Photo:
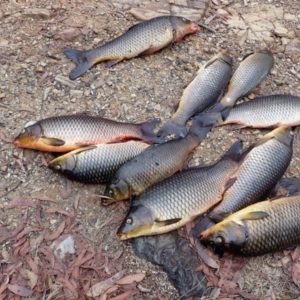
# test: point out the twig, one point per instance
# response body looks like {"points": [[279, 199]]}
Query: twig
{"points": [[206, 27], [16, 186]]}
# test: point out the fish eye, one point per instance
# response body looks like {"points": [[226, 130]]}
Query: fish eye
{"points": [[129, 221], [219, 240], [23, 131], [110, 192], [57, 167], [184, 19]]}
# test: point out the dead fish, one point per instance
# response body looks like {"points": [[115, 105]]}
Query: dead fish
{"points": [[96, 164], [202, 92], [67, 133], [265, 164], [153, 165], [261, 228], [177, 200], [262, 112], [141, 39], [251, 72]]}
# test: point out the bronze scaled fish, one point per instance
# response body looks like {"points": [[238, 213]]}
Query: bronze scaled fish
{"points": [[96, 164], [251, 72], [141, 39], [261, 170], [67, 133], [260, 228], [265, 112], [202, 92], [153, 165], [177, 200]]}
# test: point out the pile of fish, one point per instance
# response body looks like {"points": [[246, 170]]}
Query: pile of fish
{"points": [[137, 164]]}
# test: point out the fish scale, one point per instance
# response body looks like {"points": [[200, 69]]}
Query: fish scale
{"points": [[135, 41], [266, 112], [249, 74], [185, 195], [151, 166], [278, 231], [261, 170], [98, 165]]}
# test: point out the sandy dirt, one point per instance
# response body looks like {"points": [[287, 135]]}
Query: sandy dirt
{"points": [[31, 66]]}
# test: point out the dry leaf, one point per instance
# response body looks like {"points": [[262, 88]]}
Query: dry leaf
{"points": [[55, 234], [131, 278], [100, 287], [19, 290], [21, 203], [4, 138], [69, 34], [32, 278], [113, 221], [123, 296], [205, 257]]}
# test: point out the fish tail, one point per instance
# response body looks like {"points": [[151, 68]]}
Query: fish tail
{"points": [[292, 185], [147, 132], [204, 224], [216, 115], [171, 128], [199, 130], [234, 151], [81, 58]]}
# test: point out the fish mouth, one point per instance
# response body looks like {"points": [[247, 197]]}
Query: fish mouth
{"points": [[105, 200], [194, 27], [122, 236]]}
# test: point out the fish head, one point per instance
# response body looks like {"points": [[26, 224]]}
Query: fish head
{"points": [[226, 234], [182, 27], [116, 192], [65, 163], [139, 221], [29, 136]]}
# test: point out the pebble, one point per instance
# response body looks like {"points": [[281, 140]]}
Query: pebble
{"points": [[76, 93]]}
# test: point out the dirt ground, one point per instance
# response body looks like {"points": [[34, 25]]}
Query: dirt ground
{"points": [[33, 86]]}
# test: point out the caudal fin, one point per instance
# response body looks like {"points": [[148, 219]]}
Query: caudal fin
{"points": [[171, 128], [81, 58], [216, 115], [292, 185], [199, 130], [147, 132], [204, 224]]}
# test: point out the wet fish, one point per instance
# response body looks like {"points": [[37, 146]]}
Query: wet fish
{"points": [[251, 72], [153, 165], [258, 229], [262, 112], [96, 164], [177, 200], [67, 133], [141, 39], [202, 92], [262, 168]]}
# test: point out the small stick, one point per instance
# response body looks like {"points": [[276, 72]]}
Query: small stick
{"points": [[206, 27]]}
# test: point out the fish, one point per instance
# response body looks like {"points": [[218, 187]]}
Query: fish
{"points": [[179, 199], [153, 165], [262, 112], [262, 168], [251, 72], [258, 229], [205, 89], [141, 39], [71, 132], [96, 164], [266, 112]]}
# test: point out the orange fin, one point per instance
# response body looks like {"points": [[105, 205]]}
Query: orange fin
{"points": [[52, 141]]}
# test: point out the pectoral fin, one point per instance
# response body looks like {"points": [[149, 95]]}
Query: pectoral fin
{"points": [[52, 141], [254, 215], [167, 222]]}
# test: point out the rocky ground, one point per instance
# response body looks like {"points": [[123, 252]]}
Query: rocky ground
{"points": [[37, 205]]}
